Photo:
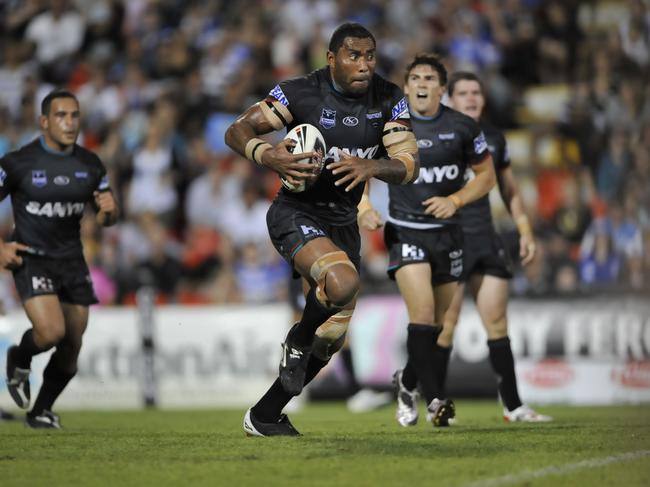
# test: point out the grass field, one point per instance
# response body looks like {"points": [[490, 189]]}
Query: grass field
{"points": [[583, 447]]}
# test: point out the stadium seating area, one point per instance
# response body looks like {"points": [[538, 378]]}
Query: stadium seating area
{"points": [[160, 80]]}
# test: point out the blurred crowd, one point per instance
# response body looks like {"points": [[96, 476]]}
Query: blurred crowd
{"points": [[160, 80]]}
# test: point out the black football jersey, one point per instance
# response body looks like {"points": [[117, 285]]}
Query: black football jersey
{"points": [[353, 125], [476, 217], [49, 192], [448, 143]]}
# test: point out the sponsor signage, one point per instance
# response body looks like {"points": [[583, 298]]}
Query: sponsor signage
{"points": [[587, 352]]}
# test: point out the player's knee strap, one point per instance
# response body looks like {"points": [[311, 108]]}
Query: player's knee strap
{"points": [[319, 269], [331, 335]]}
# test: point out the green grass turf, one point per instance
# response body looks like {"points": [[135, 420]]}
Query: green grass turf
{"points": [[198, 448]]}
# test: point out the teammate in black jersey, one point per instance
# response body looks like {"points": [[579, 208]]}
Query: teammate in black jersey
{"points": [[486, 266], [423, 235], [363, 118], [50, 181]]}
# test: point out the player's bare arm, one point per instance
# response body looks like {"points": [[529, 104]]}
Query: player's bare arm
{"points": [[242, 137], [107, 211], [446, 206], [511, 197]]}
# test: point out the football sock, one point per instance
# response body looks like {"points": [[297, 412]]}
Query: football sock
{"points": [[269, 407], [314, 315], [419, 344], [409, 377], [503, 364], [55, 378], [441, 360], [348, 365], [26, 350]]}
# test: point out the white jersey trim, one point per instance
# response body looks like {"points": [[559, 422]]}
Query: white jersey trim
{"points": [[416, 226]]}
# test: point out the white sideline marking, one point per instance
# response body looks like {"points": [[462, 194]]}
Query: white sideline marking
{"points": [[558, 470]]}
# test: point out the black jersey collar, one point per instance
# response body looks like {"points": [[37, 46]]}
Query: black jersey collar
{"points": [[428, 118], [49, 150], [339, 91]]}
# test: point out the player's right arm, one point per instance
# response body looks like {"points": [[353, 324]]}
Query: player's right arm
{"points": [[9, 257], [513, 200], [262, 118]]}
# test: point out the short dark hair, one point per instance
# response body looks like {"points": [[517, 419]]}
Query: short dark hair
{"points": [[462, 76], [349, 29], [53, 95], [431, 60]]}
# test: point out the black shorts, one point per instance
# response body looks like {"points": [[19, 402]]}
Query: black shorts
{"points": [[290, 229], [69, 279], [486, 254], [441, 248]]}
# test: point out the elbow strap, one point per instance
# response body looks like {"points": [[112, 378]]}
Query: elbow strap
{"points": [[275, 113], [400, 144]]}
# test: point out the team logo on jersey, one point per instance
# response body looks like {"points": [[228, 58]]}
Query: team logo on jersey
{"points": [[456, 254], [39, 178], [61, 180], [480, 144], [328, 118], [351, 121], [3, 177], [425, 143], [401, 110], [279, 95], [81, 174], [448, 136]]}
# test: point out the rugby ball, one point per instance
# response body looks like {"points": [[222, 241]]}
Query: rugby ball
{"points": [[308, 139]]}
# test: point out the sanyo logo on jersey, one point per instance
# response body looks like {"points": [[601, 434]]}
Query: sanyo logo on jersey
{"points": [[361, 152], [437, 174], [55, 209]]}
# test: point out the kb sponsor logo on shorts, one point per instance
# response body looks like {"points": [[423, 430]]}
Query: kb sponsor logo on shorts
{"points": [[412, 252], [309, 230], [42, 284]]}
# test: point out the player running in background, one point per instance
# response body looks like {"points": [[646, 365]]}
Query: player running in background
{"points": [[50, 181], [423, 234], [487, 267], [362, 118]]}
